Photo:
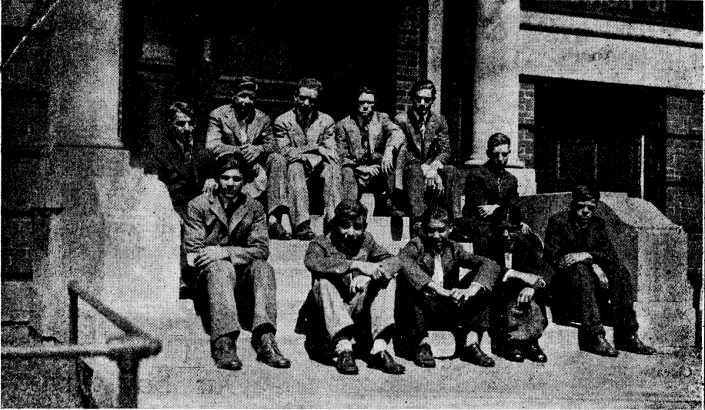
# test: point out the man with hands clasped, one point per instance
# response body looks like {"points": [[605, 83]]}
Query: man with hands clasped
{"points": [[433, 296]]}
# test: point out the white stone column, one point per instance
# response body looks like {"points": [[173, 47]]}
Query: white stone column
{"points": [[117, 232]]}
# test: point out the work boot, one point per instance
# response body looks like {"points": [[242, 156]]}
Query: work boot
{"points": [[269, 354], [631, 343], [597, 344], [224, 353]]}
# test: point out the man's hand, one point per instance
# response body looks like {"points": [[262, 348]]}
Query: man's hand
{"points": [[251, 152], [525, 229], [571, 259], [386, 273], [463, 295], [359, 283], [438, 289], [209, 186], [370, 170], [487, 210], [601, 276], [388, 161], [435, 182], [328, 154], [210, 254], [371, 269], [528, 278], [525, 295]]}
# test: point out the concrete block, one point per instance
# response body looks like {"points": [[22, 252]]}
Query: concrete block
{"points": [[666, 325]]}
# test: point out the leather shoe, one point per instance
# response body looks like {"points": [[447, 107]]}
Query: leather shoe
{"points": [[277, 231], [385, 362], [303, 231], [533, 352], [473, 354], [511, 352], [225, 354], [345, 364], [632, 343], [598, 345], [424, 356], [269, 354]]}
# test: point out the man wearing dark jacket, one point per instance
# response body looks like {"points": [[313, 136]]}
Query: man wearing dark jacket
{"points": [[582, 255], [432, 295], [227, 245], [487, 188]]}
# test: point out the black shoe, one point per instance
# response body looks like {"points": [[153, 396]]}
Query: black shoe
{"points": [[424, 356], [632, 343], [277, 231], [385, 362], [473, 354], [598, 345], [511, 352], [345, 363], [269, 354], [303, 231], [224, 354], [533, 352]]}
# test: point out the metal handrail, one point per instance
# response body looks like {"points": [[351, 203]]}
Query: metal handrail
{"points": [[126, 351]]}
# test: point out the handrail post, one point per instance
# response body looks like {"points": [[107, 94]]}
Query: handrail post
{"points": [[73, 316], [128, 387]]}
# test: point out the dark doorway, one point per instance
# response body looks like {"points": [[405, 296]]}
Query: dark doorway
{"points": [[595, 131]]}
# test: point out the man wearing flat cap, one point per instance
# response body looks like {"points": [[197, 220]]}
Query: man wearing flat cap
{"points": [[227, 246], [580, 252], [242, 128]]}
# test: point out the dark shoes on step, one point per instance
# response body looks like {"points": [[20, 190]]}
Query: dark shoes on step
{"points": [[224, 354], [473, 354], [424, 356], [385, 362], [269, 354], [598, 345], [277, 231], [303, 231], [533, 352], [345, 363], [632, 343]]}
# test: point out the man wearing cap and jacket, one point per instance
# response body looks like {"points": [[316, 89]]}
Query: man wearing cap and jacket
{"points": [[240, 127]]}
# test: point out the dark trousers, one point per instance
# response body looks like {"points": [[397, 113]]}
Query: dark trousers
{"points": [[417, 312], [353, 186], [240, 297], [584, 284], [513, 321], [420, 198]]}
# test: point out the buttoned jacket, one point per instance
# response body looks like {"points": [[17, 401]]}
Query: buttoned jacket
{"points": [[382, 133], [292, 140], [433, 144], [224, 131]]}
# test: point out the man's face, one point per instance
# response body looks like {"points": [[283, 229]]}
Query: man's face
{"points": [[365, 105], [508, 235], [305, 100], [499, 155], [584, 210], [349, 234], [435, 235], [182, 125], [230, 183], [244, 101], [422, 101]]}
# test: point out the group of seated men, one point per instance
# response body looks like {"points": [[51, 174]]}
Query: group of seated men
{"points": [[361, 295]]}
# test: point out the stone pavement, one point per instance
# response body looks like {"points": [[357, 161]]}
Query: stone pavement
{"points": [[183, 375]]}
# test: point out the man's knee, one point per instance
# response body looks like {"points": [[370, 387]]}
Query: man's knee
{"points": [[323, 289], [219, 270], [330, 171], [276, 161]]}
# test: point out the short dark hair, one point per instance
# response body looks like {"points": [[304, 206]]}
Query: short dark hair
{"points": [[176, 107], [349, 210], [437, 213], [245, 83], [496, 140], [309, 82], [585, 192], [365, 90], [423, 84], [232, 160]]}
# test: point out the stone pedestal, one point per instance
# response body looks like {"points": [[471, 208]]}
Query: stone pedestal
{"points": [[655, 252], [496, 77]]}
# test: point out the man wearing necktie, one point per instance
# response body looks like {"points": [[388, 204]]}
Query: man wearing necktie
{"points": [[428, 177], [432, 295], [368, 144], [227, 246]]}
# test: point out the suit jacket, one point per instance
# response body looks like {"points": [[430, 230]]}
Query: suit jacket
{"points": [[433, 144], [244, 235], [323, 259], [181, 172], [417, 265], [382, 132], [292, 140], [484, 187], [224, 131], [563, 237]]}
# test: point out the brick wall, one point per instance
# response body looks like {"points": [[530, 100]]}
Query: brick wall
{"points": [[410, 58], [526, 123], [684, 153]]}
